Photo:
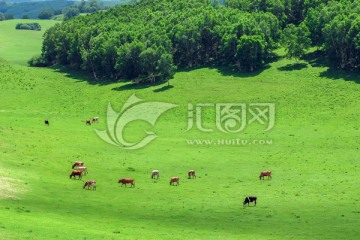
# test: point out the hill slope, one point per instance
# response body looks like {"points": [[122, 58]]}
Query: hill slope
{"points": [[18, 46], [312, 151], [313, 156]]}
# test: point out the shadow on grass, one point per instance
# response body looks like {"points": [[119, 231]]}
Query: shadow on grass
{"points": [[336, 73], [132, 86], [293, 66], [163, 88], [226, 70], [234, 72], [319, 59], [82, 76]]}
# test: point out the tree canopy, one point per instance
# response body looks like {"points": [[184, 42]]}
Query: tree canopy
{"points": [[335, 28], [147, 40]]}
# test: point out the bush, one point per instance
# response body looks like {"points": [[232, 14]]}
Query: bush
{"points": [[37, 61], [25, 27], [28, 26]]}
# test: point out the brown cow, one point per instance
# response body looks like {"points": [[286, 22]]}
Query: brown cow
{"points": [[77, 163], [88, 122], [192, 174], [155, 173], [90, 183], [126, 181], [265, 173], [83, 169], [76, 173], [174, 180]]}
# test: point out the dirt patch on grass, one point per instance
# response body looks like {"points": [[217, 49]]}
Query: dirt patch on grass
{"points": [[10, 188]]}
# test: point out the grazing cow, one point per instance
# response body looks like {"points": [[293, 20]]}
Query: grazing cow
{"points": [[90, 183], [83, 169], [192, 174], [88, 122], [77, 163], [76, 173], [249, 199], [265, 173], [174, 180], [155, 173], [95, 119], [47, 122], [126, 181]]}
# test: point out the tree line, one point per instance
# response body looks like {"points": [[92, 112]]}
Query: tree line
{"points": [[48, 9], [149, 39], [331, 26]]}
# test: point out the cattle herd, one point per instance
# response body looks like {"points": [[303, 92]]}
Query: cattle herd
{"points": [[80, 170]]}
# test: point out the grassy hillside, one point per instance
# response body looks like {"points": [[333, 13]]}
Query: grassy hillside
{"points": [[314, 156], [18, 46]]}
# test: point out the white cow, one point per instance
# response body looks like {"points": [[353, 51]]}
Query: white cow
{"points": [[95, 119], [155, 173]]}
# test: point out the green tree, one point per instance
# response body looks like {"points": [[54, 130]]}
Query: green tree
{"points": [[46, 14], [9, 16], [128, 60], [71, 12], [58, 11], [94, 6], [250, 52], [296, 40], [165, 66], [82, 6], [338, 39]]}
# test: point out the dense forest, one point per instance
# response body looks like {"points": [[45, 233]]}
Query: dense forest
{"points": [[149, 39]]}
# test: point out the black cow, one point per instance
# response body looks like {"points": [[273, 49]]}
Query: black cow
{"points": [[249, 200], [47, 122]]}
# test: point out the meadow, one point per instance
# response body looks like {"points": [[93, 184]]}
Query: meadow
{"points": [[18, 46], [314, 153]]}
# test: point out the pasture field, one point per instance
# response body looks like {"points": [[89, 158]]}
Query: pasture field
{"points": [[18, 46], [314, 156]]}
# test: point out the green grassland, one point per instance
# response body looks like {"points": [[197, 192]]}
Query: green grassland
{"points": [[18, 46], [314, 155]]}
